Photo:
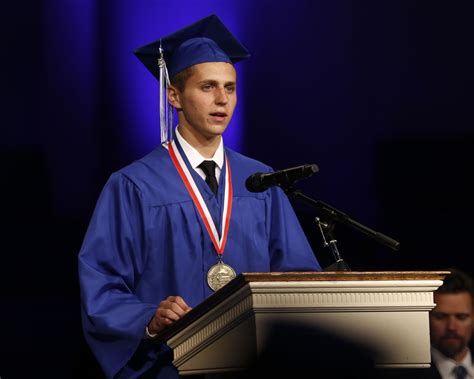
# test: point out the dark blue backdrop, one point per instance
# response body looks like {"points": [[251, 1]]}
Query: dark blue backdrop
{"points": [[378, 94]]}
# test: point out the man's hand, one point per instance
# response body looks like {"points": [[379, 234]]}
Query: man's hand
{"points": [[169, 310]]}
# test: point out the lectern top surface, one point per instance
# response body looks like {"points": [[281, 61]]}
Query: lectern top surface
{"points": [[248, 277]]}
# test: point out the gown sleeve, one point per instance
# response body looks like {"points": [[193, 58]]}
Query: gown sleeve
{"points": [[289, 247], [110, 262]]}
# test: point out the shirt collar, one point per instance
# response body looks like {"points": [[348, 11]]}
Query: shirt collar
{"points": [[446, 365], [195, 158]]}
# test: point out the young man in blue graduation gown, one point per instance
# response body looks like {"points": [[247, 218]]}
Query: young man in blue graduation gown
{"points": [[158, 227]]}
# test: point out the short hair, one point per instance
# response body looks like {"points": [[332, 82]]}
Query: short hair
{"points": [[455, 282], [180, 79]]}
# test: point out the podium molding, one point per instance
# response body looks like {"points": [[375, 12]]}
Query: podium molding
{"points": [[386, 311]]}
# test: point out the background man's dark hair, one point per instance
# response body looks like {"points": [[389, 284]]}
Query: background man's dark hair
{"points": [[457, 281]]}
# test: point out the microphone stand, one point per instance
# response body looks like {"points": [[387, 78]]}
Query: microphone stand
{"points": [[339, 264], [335, 215]]}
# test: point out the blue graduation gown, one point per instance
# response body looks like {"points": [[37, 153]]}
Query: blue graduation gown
{"points": [[146, 241]]}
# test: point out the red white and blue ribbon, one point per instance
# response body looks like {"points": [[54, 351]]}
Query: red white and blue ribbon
{"points": [[219, 243]]}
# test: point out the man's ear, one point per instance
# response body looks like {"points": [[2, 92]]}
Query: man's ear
{"points": [[173, 97]]}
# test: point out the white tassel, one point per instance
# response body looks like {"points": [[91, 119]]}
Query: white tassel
{"points": [[166, 111]]}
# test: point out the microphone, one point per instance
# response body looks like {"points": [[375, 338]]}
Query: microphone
{"points": [[260, 181]]}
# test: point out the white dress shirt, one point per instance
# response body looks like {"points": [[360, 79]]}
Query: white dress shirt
{"points": [[195, 158], [446, 365]]}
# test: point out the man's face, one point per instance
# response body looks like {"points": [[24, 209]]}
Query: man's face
{"points": [[451, 323], [208, 100]]}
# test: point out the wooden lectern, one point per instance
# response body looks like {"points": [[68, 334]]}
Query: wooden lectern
{"points": [[386, 311]]}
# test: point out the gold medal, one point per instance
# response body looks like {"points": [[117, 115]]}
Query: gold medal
{"points": [[219, 275]]}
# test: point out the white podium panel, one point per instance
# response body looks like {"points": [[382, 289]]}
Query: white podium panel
{"points": [[386, 312]]}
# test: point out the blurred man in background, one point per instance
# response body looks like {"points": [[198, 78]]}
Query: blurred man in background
{"points": [[451, 327]]}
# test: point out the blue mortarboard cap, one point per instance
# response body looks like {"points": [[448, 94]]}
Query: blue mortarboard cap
{"points": [[207, 40]]}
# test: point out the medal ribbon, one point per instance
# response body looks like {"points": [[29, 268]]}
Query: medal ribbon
{"points": [[219, 243]]}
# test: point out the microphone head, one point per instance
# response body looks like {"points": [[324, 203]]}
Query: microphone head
{"points": [[254, 183], [261, 181]]}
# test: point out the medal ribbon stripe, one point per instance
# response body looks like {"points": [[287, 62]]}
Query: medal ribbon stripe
{"points": [[195, 194], [228, 193], [219, 244]]}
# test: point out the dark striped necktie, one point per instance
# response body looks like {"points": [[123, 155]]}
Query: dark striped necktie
{"points": [[460, 372], [209, 168]]}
